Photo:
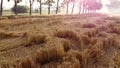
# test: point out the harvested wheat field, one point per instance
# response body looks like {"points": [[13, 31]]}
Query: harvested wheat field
{"points": [[60, 41]]}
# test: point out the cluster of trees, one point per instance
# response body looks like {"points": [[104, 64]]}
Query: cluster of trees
{"points": [[85, 6], [20, 9]]}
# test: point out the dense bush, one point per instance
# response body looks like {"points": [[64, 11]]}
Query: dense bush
{"points": [[20, 9]]}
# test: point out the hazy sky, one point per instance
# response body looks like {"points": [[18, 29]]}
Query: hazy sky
{"points": [[8, 5]]}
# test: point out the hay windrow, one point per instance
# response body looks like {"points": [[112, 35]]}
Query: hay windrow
{"points": [[27, 63], [10, 34], [91, 33], [88, 25], [68, 34], [32, 39]]}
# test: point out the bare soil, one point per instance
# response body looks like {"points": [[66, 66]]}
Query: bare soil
{"points": [[63, 41]]}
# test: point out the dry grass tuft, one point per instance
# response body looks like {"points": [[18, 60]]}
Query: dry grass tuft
{"points": [[114, 30], [45, 55], [56, 22], [102, 28], [108, 42], [85, 39], [72, 37], [88, 25], [99, 52], [111, 18], [4, 65], [27, 63], [67, 45], [91, 33], [68, 34], [3, 18], [118, 21], [76, 54], [117, 61], [100, 21], [102, 34], [34, 39], [93, 58], [10, 34], [69, 62], [93, 52], [110, 25]]}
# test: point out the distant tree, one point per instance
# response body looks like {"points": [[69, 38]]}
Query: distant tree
{"points": [[85, 6], [1, 7], [40, 2], [36, 10], [99, 5], [66, 2], [15, 6], [49, 3], [20, 9], [73, 1], [49, 6], [16, 1], [57, 6], [80, 6], [31, 3], [93, 5], [90, 5], [60, 6]]}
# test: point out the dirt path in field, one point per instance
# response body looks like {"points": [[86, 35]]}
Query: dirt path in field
{"points": [[60, 42]]}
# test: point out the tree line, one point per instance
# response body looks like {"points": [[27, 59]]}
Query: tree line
{"points": [[85, 6]]}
